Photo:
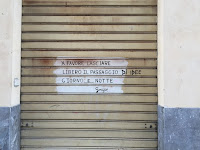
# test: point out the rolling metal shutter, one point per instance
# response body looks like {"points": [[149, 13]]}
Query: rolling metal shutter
{"points": [[89, 75]]}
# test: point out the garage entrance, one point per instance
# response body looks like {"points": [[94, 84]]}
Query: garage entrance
{"points": [[89, 75]]}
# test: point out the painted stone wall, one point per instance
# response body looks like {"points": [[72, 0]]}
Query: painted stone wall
{"points": [[179, 53], [179, 61], [10, 51]]}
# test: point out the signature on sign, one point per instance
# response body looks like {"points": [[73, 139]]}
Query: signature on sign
{"points": [[101, 90]]}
